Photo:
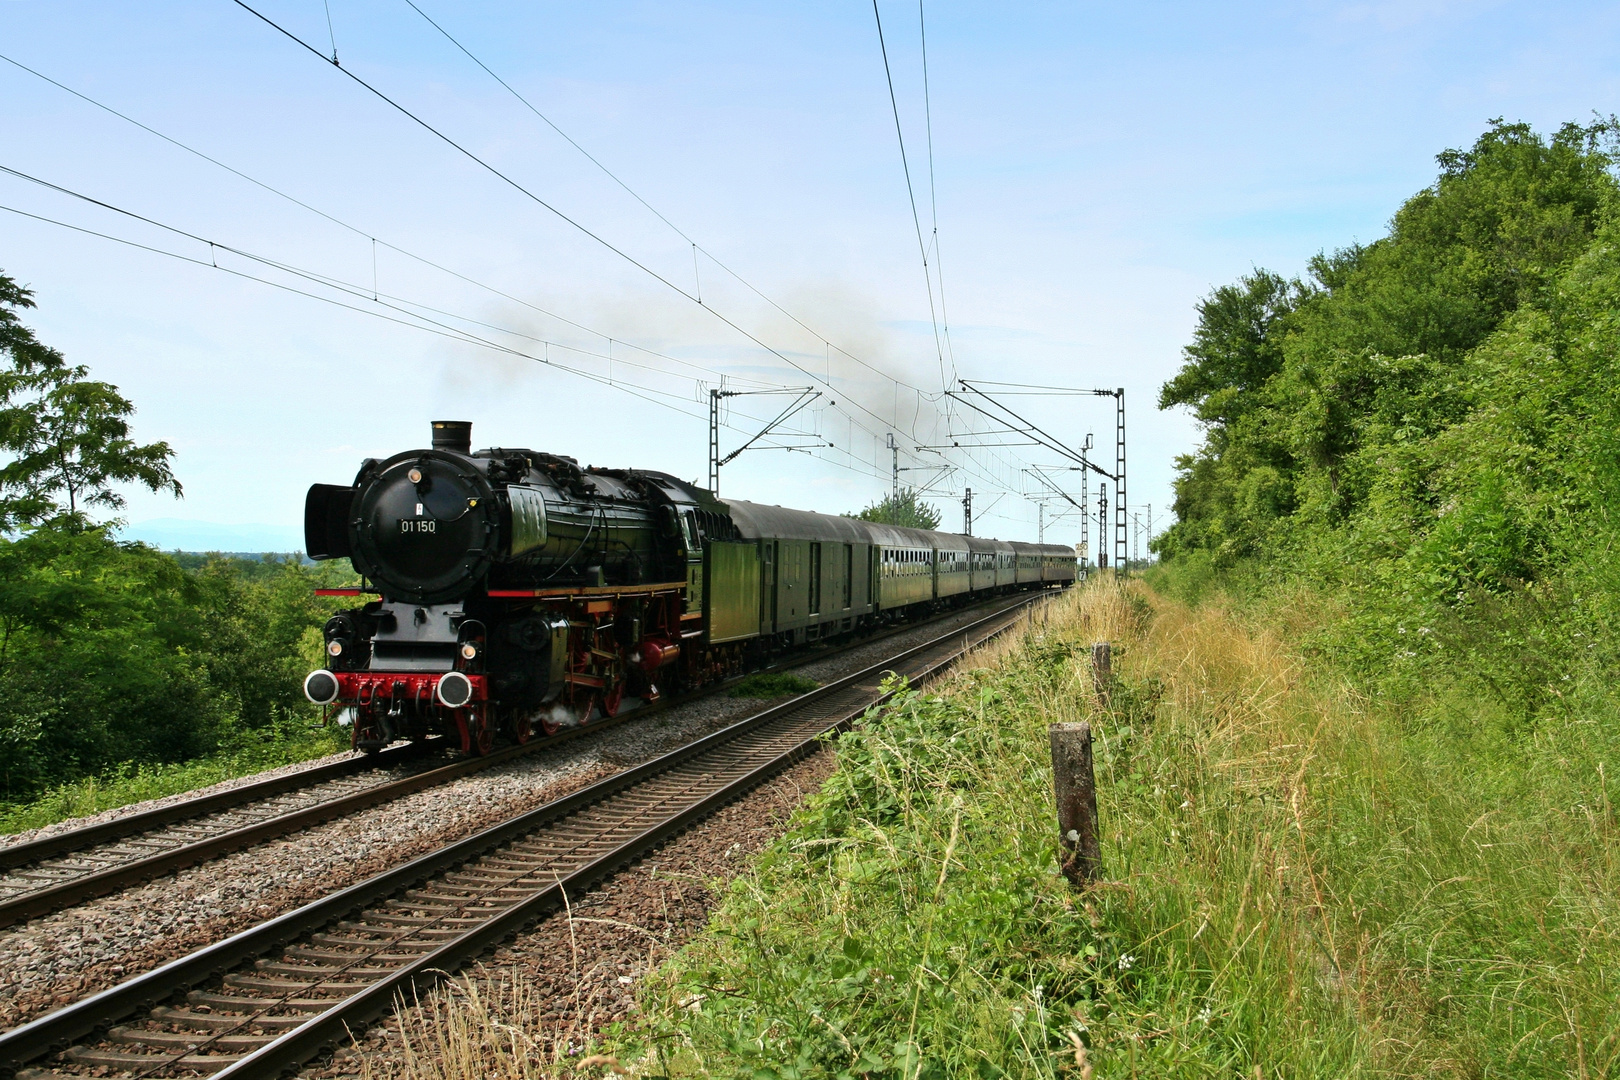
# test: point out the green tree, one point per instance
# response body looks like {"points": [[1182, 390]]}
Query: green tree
{"points": [[67, 435], [1319, 399], [1236, 347], [904, 509]]}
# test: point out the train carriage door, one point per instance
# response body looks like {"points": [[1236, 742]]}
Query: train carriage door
{"points": [[790, 570], [767, 576], [815, 578], [694, 561], [849, 576]]}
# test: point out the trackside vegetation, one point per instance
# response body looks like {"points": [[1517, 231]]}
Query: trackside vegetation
{"points": [[1298, 881], [772, 684], [1426, 431], [129, 673], [134, 677], [1358, 788]]}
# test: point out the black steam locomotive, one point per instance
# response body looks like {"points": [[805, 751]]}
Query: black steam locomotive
{"points": [[519, 592]]}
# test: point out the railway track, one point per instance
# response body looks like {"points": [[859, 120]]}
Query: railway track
{"points": [[270, 998], [71, 867]]}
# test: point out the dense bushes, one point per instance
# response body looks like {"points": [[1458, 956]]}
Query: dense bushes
{"points": [[119, 661], [1428, 428], [115, 653]]}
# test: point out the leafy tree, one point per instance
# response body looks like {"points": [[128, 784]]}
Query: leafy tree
{"points": [[1320, 398], [67, 435], [1236, 347], [904, 509], [115, 655]]}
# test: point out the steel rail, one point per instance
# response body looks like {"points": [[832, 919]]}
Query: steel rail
{"points": [[74, 1022], [35, 903], [32, 905]]}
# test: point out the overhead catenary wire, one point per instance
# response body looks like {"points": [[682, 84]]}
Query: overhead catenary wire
{"points": [[1029, 429], [933, 197], [401, 316], [516, 186], [350, 227], [646, 394], [697, 248], [412, 321], [882, 421], [696, 294], [213, 264], [975, 465], [310, 275], [374, 241], [911, 194], [329, 31]]}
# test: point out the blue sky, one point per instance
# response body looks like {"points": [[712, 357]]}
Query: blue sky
{"points": [[1097, 170]]}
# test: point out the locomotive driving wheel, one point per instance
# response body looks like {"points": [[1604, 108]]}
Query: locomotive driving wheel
{"points": [[520, 726], [483, 731], [477, 730], [572, 709]]}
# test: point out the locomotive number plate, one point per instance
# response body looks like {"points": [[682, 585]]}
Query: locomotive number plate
{"points": [[418, 525]]}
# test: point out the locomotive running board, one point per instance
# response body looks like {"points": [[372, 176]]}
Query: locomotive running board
{"points": [[594, 591]]}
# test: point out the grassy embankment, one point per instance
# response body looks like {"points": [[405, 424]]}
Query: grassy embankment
{"points": [[1299, 882]]}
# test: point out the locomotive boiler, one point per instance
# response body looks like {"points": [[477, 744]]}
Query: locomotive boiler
{"points": [[515, 591]]}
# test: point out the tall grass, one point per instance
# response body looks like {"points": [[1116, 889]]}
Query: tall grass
{"points": [[477, 1027], [1299, 880]]}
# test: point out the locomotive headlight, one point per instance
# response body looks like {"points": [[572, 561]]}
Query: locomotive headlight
{"points": [[469, 650], [334, 647], [414, 476], [321, 687], [454, 690]]}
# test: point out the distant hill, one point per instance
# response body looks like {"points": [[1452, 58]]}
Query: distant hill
{"points": [[171, 534]]}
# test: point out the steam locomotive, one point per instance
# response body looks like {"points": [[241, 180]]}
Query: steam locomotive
{"points": [[517, 592]]}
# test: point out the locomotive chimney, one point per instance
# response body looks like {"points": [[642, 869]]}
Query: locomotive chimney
{"points": [[453, 435]]}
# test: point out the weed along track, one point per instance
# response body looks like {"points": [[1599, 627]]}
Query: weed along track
{"points": [[274, 996]]}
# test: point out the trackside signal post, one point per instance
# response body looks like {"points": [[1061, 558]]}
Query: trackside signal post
{"points": [[1121, 525]]}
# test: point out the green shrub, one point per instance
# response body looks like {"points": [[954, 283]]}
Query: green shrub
{"points": [[118, 658], [772, 684]]}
